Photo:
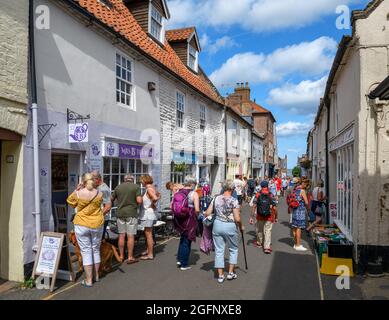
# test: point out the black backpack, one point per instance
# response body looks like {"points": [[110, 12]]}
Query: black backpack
{"points": [[263, 205]]}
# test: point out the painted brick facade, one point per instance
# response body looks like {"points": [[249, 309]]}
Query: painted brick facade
{"points": [[189, 138], [13, 65]]}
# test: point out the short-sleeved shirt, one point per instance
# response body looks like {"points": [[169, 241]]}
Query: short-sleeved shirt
{"points": [[106, 191], [224, 207], [239, 184], [126, 194]]}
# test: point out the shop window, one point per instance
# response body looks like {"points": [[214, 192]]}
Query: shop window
{"points": [[115, 169], [124, 81]]}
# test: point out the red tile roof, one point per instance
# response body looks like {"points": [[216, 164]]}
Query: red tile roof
{"points": [[123, 22], [179, 34]]}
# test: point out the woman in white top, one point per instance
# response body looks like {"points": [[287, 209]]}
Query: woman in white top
{"points": [[148, 215], [318, 198]]}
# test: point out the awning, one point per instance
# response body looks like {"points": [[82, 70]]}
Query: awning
{"points": [[382, 91]]}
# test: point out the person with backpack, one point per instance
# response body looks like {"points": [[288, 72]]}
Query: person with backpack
{"points": [[226, 226], [298, 203], [264, 209], [185, 208]]}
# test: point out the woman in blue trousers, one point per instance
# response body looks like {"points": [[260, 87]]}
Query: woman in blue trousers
{"points": [[226, 230]]}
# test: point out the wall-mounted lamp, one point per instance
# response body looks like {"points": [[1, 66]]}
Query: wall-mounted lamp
{"points": [[151, 86]]}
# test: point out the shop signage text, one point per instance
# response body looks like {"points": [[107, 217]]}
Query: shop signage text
{"points": [[127, 151], [343, 139], [182, 157]]}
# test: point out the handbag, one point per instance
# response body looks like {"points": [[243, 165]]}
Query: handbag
{"points": [[208, 221]]}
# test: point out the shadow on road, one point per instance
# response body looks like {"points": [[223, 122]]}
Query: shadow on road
{"points": [[292, 277]]}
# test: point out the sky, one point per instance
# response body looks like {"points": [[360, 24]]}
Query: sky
{"points": [[283, 48]]}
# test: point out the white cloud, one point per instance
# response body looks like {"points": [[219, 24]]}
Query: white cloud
{"points": [[307, 58], [204, 41], [293, 128], [222, 43], [302, 98], [258, 15]]}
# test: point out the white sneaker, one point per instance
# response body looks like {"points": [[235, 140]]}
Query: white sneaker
{"points": [[221, 279], [185, 268], [300, 248], [232, 276], [178, 264], [294, 247]]}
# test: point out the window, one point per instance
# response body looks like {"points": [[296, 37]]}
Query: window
{"points": [[234, 134], [202, 118], [345, 167], [124, 86], [180, 109], [115, 169], [192, 60], [156, 24]]}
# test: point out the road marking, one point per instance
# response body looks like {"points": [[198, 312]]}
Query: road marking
{"points": [[319, 276], [51, 296]]}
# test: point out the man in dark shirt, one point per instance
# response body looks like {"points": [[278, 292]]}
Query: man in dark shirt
{"points": [[128, 197]]}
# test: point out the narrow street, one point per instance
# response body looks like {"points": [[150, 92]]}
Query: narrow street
{"points": [[285, 274]]}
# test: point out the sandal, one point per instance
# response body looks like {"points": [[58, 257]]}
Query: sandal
{"points": [[85, 284], [132, 261], [147, 258]]}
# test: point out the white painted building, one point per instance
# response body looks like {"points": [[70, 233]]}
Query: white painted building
{"points": [[357, 137], [258, 166], [120, 85]]}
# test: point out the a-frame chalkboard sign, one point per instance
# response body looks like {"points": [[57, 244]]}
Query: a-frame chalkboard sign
{"points": [[53, 256]]}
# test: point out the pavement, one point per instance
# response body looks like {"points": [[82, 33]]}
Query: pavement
{"points": [[283, 275]]}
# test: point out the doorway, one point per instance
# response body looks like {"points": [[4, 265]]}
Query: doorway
{"points": [[65, 175]]}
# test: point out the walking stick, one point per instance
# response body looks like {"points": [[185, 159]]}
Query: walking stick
{"points": [[244, 250]]}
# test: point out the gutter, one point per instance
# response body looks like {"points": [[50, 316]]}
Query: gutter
{"points": [[34, 110]]}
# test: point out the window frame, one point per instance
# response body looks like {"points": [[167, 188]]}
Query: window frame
{"points": [[122, 56], [203, 118], [179, 111], [196, 58], [160, 39]]}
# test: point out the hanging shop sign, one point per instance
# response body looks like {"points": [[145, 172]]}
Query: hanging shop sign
{"points": [[182, 157], [78, 132], [343, 139], [128, 151]]}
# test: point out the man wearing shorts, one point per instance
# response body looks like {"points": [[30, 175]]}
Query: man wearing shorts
{"points": [[128, 196]]}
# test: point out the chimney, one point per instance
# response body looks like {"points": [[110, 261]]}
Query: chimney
{"points": [[243, 90]]}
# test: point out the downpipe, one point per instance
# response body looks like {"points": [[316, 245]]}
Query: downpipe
{"points": [[34, 112]]}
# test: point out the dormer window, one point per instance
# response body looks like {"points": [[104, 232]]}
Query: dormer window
{"points": [[193, 58], [156, 24]]}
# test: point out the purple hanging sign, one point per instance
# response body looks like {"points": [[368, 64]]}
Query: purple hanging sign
{"points": [[127, 151]]}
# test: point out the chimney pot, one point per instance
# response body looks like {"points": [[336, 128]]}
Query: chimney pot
{"points": [[247, 84]]}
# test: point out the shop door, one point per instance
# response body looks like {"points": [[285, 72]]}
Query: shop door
{"points": [[65, 175]]}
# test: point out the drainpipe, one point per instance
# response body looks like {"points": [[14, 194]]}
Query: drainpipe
{"points": [[225, 141], [34, 110], [327, 103]]}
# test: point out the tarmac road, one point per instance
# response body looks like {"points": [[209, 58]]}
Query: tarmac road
{"points": [[285, 274]]}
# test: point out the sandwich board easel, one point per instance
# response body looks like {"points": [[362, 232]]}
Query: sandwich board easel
{"points": [[53, 250]]}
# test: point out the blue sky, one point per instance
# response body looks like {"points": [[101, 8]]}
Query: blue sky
{"points": [[283, 48]]}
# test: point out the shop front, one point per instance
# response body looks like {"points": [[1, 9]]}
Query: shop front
{"points": [[342, 151], [234, 167], [119, 159]]}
